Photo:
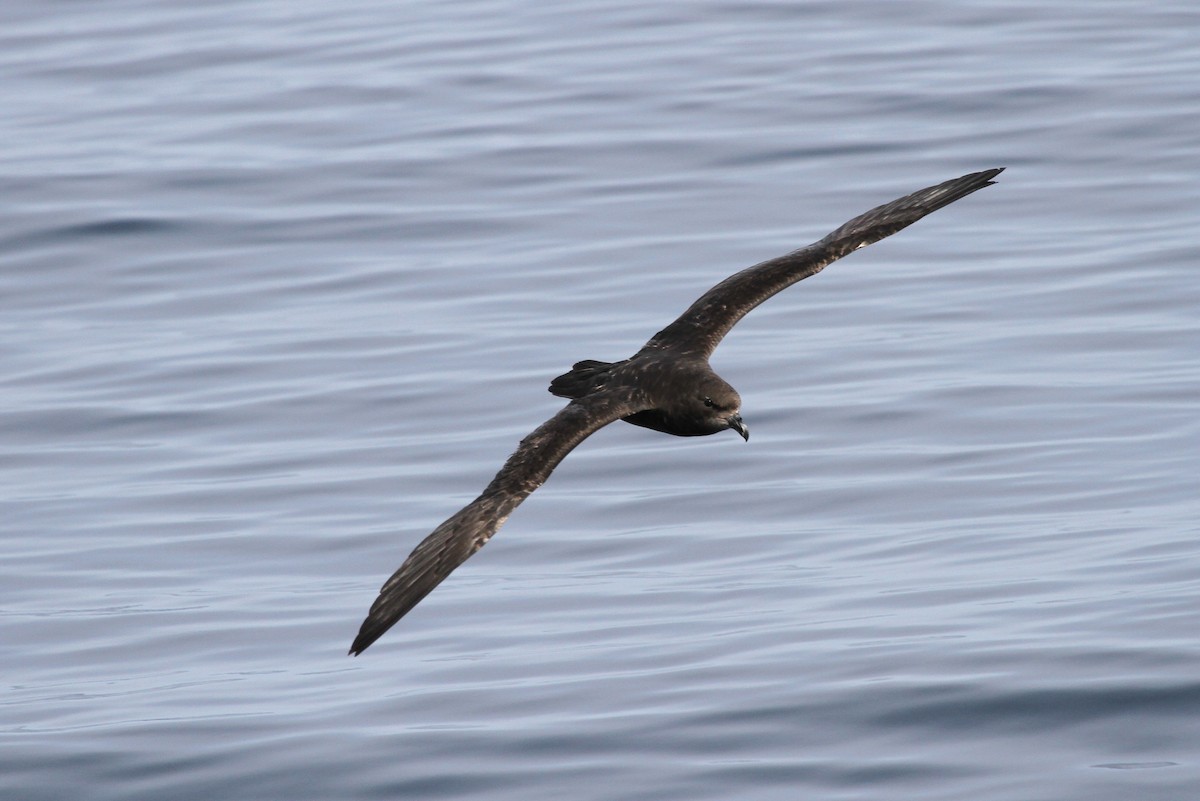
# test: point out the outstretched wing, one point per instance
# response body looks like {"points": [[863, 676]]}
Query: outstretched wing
{"points": [[702, 327], [466, 531]]}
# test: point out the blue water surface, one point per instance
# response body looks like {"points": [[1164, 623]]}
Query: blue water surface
{"points": [[284, 283]]}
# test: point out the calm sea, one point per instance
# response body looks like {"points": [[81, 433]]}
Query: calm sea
{"points": [[282, 284]]}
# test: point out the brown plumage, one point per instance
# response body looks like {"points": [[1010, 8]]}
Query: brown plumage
{"points": [[667, 386]]}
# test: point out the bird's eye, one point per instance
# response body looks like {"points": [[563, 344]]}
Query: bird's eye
{"points": [[709, 403]]}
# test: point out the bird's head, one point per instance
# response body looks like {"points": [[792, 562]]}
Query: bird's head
{"points": [[713, 406], [689, 400]]}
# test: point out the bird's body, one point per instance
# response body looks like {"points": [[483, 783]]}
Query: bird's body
{"points": [[666, 386]]}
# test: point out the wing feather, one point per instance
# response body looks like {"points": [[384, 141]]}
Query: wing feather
{"points": [[455, 540], [701, 328]]}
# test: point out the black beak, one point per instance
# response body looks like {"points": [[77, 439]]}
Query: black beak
{"points": [[737, 425]]}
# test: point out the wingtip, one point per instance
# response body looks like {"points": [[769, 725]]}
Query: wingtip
{"points": [[360, 645], [364, 639], [988, 175]]}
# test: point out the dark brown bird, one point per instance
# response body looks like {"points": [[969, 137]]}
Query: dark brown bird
{"points": [[667, 386]]}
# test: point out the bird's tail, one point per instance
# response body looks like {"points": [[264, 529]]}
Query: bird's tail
{"points": [[585, 377]]}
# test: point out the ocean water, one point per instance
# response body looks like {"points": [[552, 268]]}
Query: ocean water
{"points": [[283, 283]]}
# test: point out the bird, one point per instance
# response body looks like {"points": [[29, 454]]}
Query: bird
{"points": [[666, 386]]}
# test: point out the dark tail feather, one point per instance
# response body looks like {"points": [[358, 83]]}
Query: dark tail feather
{"points": [[584, 377]]}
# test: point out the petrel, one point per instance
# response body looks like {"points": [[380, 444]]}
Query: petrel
{"points": [[668, 386]]}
